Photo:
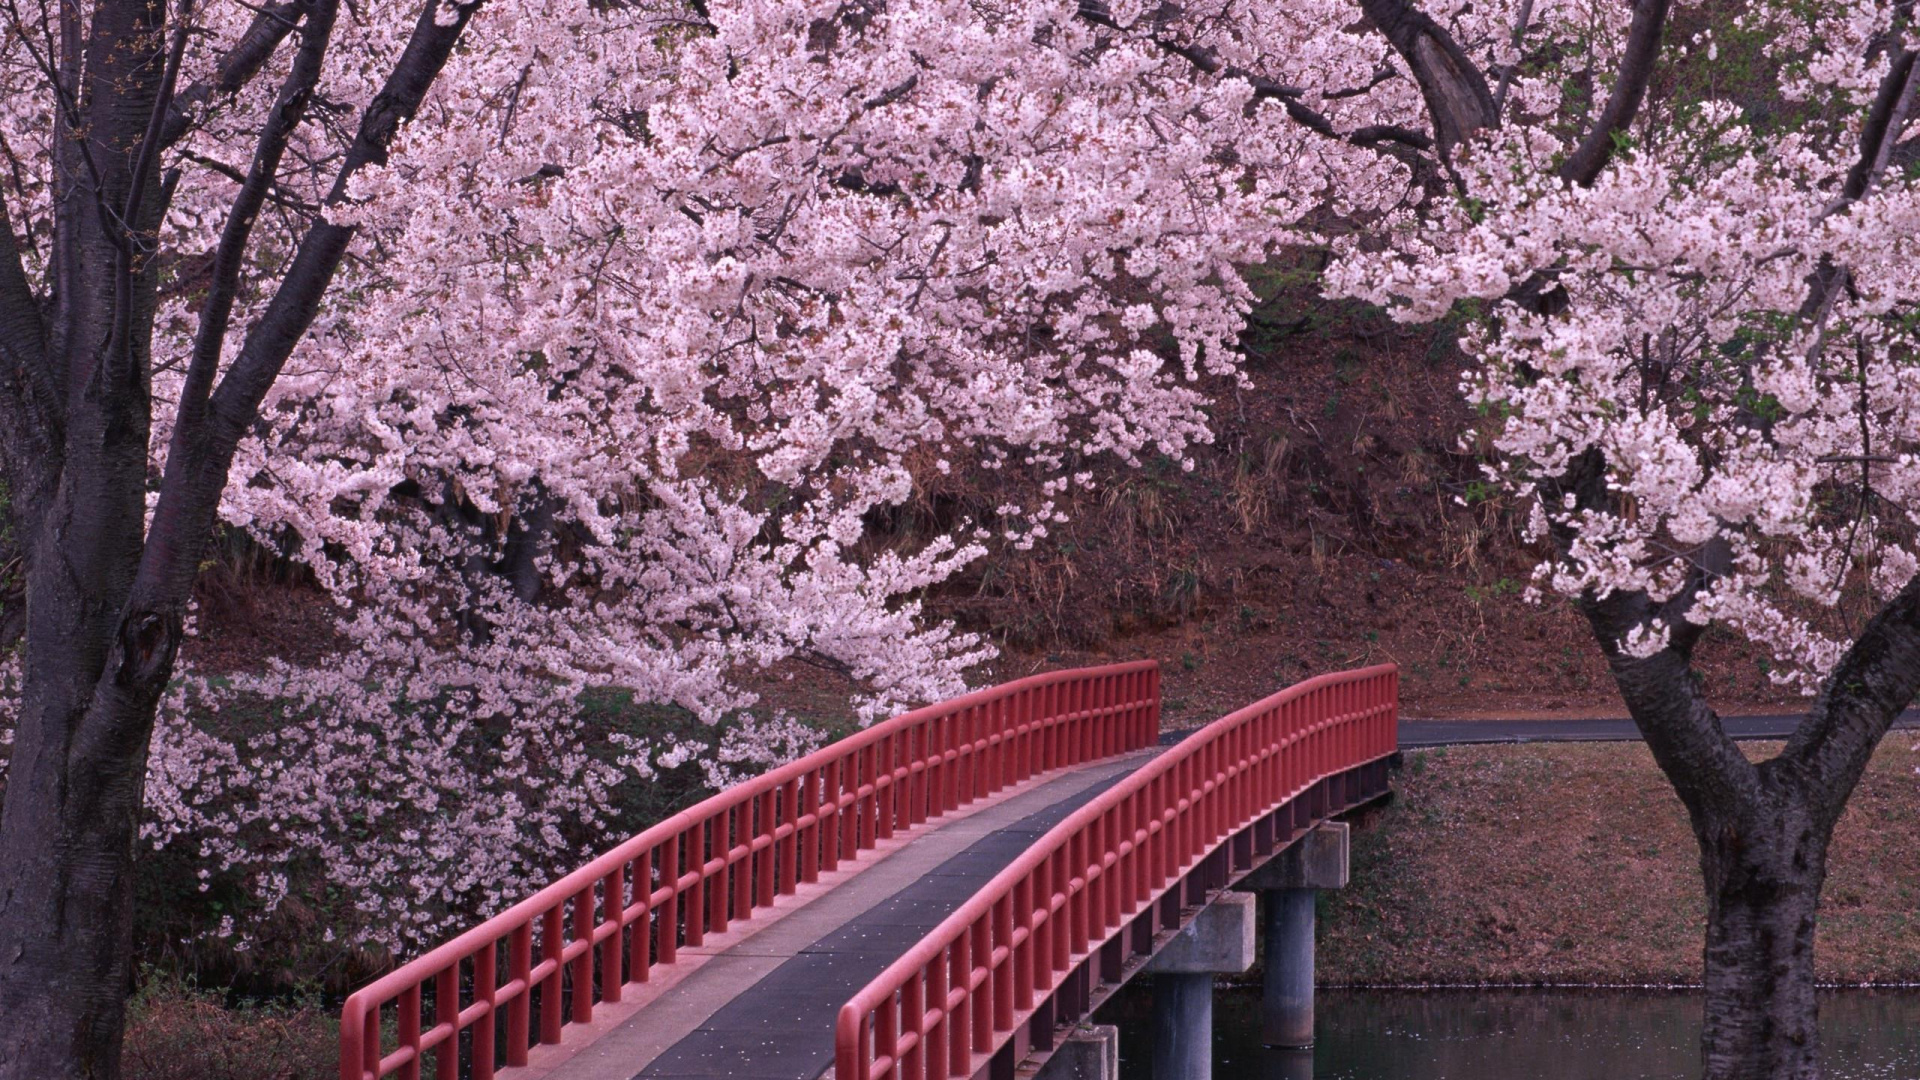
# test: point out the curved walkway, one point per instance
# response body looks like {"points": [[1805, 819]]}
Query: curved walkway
{"points": [[764, 1009]]}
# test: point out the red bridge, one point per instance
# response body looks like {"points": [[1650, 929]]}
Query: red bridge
{"points": [[945, 894]]}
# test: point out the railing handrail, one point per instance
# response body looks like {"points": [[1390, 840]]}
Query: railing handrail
{"points": [[851, 1026], [411, 977]]}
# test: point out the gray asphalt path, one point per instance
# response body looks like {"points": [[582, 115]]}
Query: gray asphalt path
{"points": [[782, 1027], [1418, 733]]}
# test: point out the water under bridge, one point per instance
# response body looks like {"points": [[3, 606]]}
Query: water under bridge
{"points": [[947, 894]]}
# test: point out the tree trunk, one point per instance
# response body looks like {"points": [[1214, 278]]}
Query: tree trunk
{"points": [[1764, 871], [74, 792], [66, 908]]}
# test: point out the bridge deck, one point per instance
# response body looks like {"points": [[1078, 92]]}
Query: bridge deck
{"points": [[762, 1005]]}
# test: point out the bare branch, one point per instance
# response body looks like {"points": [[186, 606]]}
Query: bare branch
{"points": [[1506, 74], [1264, 89]]}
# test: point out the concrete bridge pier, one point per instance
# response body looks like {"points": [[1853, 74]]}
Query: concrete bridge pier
{"points": [[1219, 941], [1091, 1052], [1291, 883]]}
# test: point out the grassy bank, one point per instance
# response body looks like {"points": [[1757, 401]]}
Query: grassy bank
{"points": [[1573, 863]]}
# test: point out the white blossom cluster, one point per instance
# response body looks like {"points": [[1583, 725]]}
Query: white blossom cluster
{"points": [[1736, 347]]}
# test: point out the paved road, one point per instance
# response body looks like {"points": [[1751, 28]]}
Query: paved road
{"points": [[1414, 733]]}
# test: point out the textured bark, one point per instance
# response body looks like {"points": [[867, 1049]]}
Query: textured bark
{"points": [[1583, 166], [1763, 871]]}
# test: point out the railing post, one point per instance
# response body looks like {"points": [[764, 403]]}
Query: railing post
{"points": [[997, 977], [695, 903], [920, 783], [1013, 919], [913, 1018], [550, 990], [734, 877], [640, 933], [486, 989], [883, 778], [1078, 867], [520, 971], [583, 962], [846, 788], [410, 1030], [886, 1034], [667, 926], [766, 807], [446, 1010], [613, 910], [933, 1058], [802, 854]]}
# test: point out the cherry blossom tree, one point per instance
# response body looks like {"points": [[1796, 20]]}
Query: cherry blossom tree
{"points": [[1692, 305], [100, 102], [1680, 238]]}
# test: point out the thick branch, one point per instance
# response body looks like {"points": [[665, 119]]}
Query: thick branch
{"points": [[1662, 694], [1875, 680], [1884, 124], [216, 312], [1455, 90], [1629, 90], [271, 25], [30, 413], [190, 491], [1661, 691]]}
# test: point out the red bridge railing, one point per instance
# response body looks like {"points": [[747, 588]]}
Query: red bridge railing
{"points": [[609, 923], [961, 991]]}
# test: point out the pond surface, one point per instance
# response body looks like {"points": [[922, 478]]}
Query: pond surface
{"points": [[1516, 1035]]}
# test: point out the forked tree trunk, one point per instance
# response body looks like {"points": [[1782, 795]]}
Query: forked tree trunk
{"points": [[74, 793], [1763, 877], [1763, 827]]}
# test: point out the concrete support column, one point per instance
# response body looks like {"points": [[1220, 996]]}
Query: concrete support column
{"points": [[1291, 883], [1286, 1000], [1219, 941], [1183, 1027]]}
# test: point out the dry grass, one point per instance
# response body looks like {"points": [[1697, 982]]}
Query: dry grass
{"points": [[1574, 863], [175, 1032]]}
